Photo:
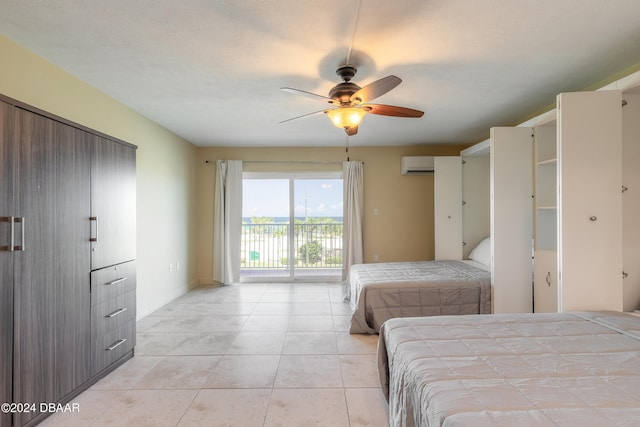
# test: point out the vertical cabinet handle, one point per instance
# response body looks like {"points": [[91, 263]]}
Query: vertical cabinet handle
{"points": [[12, 238], [23, 240], [20, 247], [548, 278], [9, 247], [12, 220], [94, 219]]}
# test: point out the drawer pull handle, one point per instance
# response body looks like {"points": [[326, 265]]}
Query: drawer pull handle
{"points": [[122, 279], [115, 345], [115, 313]]}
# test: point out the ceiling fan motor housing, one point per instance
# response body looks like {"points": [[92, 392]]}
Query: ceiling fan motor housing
{"points": [[342, 92]]}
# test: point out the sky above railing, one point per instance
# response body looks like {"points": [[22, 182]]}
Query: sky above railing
{"points": [[312, 198]]}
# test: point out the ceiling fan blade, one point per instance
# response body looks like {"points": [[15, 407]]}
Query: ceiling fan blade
{"points": [[376, 89], [352, 130], [307, 94], [302, 116], [392, 110]]}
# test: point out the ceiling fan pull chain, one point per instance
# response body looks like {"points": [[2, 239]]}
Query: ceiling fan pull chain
{"points": [[347, 147]]}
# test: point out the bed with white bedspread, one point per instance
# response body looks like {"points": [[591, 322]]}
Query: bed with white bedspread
{"points": [[381, 291], [560, 369]]}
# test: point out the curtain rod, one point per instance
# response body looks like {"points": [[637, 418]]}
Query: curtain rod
{"points": [[284, 161]]}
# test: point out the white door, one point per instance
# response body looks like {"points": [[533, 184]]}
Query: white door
{"points": [[590, 201], [631, 200], [511, 183], [447, 192]]}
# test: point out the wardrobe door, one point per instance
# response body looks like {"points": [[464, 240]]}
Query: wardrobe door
{"points": [[447, 192], [631, 200], [590, 203], [512, 219], [34, 366], [7, 171], [72, 211], [52, 288], [113, 203]]}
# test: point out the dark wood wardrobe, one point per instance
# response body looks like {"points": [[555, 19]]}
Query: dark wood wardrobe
{"points": [[67, 259]]}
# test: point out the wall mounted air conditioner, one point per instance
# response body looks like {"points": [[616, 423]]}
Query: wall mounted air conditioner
{"points": [[417, 165]]}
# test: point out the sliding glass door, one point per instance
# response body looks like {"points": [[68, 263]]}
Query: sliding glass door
{"points": [[291, 226], [265, 227]]}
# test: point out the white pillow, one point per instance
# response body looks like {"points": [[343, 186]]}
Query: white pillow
{"points": [[482, 252]]}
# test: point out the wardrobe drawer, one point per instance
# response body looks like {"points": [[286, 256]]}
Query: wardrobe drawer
{"points": [[113, 345], [112, 314], [109, 282]]}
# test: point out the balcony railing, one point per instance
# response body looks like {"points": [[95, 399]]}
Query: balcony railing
{"points": [[314, 247]]}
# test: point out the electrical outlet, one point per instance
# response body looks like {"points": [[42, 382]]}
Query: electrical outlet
{"points": [[170, 268], [177, 265], [375, 257]]}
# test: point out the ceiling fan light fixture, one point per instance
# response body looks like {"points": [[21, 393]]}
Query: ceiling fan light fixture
{"points": [[346, 117]]}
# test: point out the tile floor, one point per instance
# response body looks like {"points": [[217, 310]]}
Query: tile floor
{"points": [[243, 355]]}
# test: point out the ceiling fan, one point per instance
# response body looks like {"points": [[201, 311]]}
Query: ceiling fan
{"points": [[351, 101]]}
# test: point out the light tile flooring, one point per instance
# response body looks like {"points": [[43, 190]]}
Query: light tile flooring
{"points": [[242, 355]]}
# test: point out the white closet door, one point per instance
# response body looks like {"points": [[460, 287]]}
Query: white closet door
{"points": [[590, 201], [631, 200], [447, 192], [511, 183]]}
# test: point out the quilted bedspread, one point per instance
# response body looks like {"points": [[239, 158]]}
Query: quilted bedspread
{"points": [[562, 369], [381, 291]]}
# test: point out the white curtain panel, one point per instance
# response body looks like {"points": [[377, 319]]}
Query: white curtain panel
{"points": [[227, 221], [353, 213]]}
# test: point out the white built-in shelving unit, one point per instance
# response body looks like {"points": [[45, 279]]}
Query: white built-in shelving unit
{"points": [[560, 196]]}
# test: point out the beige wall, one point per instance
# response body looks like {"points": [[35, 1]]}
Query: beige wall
{"points": [[166, 184], [403, 228]]}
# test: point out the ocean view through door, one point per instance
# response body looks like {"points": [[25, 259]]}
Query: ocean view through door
{"points": [[291, 226]]}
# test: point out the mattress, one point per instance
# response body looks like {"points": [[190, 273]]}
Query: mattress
{"points": [[381, 291], [562, 369]]}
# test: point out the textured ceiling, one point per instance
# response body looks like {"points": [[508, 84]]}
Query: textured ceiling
{"points": [[210, 70]]}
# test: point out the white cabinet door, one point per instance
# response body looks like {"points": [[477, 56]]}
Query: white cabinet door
{"points": [[545, 287], [511, 184], [590, 201], [631, 200], [447, 192]]}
